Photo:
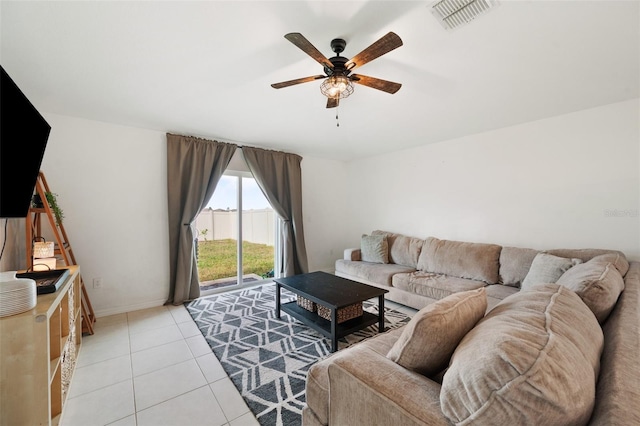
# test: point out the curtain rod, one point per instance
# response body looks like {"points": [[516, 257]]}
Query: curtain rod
{"points": [[233, 143]]}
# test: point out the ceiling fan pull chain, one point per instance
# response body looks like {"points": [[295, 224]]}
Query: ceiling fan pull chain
{"points": [[337, 122]]}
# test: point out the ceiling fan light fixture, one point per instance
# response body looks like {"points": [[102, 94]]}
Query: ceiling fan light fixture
{"points": [[336, 86], [455, 13]]}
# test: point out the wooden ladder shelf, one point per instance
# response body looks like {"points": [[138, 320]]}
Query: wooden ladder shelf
{"points": [[63, 251]]}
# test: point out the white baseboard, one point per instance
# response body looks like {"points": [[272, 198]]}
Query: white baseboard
{"points": [[156, 303], [129, 308]]}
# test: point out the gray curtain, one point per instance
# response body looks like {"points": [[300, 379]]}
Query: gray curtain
{"points": [[194, 167], [279, 176]]}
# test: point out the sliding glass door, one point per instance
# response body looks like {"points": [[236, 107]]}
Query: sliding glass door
{"points": [[236, 234]]}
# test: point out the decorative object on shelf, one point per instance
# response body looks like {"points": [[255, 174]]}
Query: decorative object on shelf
{"points": [[52, 200], [17, 295], [48, 281], [36, 201], [43, 253], [44, 264], [42, 249]]}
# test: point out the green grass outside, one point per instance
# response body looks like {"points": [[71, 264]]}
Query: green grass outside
{"points": [[218, 259]]}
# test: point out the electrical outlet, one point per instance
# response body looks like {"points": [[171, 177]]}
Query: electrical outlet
{"points": [[97, 283]]}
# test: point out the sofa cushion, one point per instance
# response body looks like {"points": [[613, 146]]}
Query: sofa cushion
{"points": [[317, 386], [618, 392], [403, 250], [598, 284], [475, 261], [547, 268], [496, 293], [514, 264], [534, 359], [434, 286], [374, 248], [583, 254], [428, 340], [378, 273], [618, 260], [500, 291]]}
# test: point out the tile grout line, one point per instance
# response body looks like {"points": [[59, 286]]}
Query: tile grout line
{"points": [[133, 382]]}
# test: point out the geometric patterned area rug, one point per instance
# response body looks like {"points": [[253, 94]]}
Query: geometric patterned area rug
{"points": [[267, 358]]}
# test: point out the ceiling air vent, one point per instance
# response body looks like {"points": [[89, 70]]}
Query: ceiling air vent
{"points": [[455, 13]]}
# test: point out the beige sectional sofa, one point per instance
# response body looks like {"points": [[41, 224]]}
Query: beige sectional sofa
{"points": [[503, 335]]}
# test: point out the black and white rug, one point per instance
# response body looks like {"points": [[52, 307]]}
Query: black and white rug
{"points": [[267, 358]]}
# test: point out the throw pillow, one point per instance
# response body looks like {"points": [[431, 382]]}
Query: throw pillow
{"points": [[597, 283], [429, 339], [547, 268], [374, 248], [532, 360]]}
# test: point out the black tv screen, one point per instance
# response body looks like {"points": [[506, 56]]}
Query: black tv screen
{"points": [[23, 139]]}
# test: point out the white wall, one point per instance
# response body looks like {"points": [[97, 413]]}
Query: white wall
{"points": [[111, 183], [324, 202], [544, 184]]}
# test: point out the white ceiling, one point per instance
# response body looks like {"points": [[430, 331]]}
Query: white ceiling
{"points": [[205, 68]]}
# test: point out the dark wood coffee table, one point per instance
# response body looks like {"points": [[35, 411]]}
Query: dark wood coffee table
{"points": [[334, 293]]}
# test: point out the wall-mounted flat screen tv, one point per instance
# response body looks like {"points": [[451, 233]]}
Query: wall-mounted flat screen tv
{"points": [[23, 138]]}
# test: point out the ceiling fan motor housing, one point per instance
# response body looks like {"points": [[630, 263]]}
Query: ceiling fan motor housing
{"points": [[338, 66]]}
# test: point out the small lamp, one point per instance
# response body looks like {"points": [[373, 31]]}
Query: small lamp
{"points": [[43, 259]]}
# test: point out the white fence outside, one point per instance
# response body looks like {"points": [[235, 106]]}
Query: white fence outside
{"points": [[258, 226]]}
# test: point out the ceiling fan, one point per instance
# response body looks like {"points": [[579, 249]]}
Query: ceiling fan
{"points": [[337, 76]]}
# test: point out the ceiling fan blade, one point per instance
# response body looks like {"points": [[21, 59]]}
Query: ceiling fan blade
{"points": [[332, 102], [376, 83], [384, 45], [297, 81], [308, 48]]}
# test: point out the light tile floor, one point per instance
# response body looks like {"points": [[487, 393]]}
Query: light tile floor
{"points": [[151, 367], [154, 367]]}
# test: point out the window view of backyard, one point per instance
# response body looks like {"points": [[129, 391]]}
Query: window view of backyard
{"points": [[217, 259], [218, 228]]}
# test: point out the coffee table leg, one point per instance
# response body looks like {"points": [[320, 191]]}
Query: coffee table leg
{"points": [[277, 300], [334, 329], [380, 314]]}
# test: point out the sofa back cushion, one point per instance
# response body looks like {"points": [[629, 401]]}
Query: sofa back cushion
{"points": [[598, 283], [514, 264], [403, 250], [534, 359], [586, 254], [429, 339], [618, 259], [475, 261]]}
